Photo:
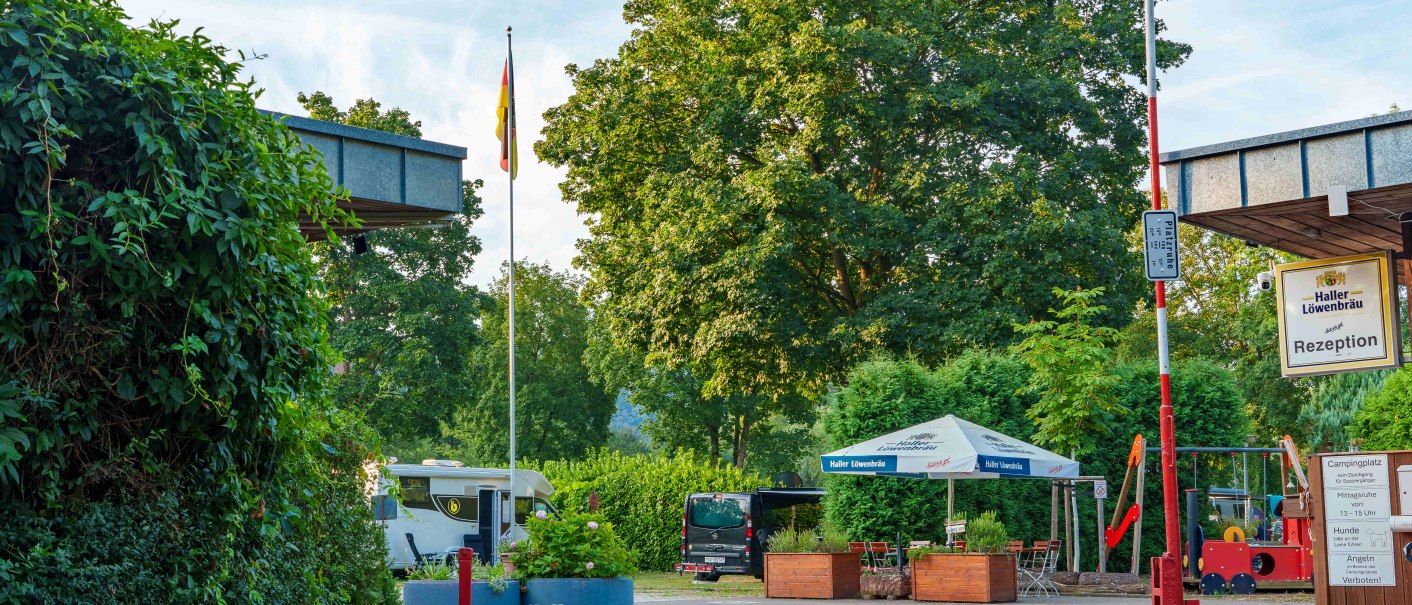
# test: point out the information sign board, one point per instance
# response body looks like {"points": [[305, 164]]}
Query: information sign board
{"points": [[1159, 245], [1337, 315], [1357, 510]]}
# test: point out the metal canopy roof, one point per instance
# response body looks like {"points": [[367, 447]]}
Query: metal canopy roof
{"points": [[1273, 190], [392, 180]]}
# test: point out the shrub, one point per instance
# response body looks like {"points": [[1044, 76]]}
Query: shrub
{"points": [[790, 539], [574, 545], [643, 496], [987, 534], [794, 540]]}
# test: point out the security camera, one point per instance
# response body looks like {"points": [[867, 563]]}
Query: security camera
{"points": [[1266, 279]]}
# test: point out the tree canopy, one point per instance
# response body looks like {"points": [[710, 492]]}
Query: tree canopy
{"points": [[777, 188], [404, 318], [559, 413]]}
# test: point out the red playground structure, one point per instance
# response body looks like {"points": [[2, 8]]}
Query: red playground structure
{"points": [[1276, 555], [1233, 565]]}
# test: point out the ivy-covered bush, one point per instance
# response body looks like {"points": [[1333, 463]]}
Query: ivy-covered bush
{"points": [[165, 434], [574, 545], [643, 496]]}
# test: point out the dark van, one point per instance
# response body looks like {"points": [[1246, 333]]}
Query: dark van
{"points": [[725, 533]]}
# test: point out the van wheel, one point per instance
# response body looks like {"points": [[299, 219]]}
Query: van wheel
{"points": [[706, 577]]}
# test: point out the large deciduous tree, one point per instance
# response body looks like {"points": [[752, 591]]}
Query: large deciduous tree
{"points": [[404, 315], [775, 188], [560, 414]]}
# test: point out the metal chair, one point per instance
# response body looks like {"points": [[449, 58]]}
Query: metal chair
{"points": [[1037, 575]]}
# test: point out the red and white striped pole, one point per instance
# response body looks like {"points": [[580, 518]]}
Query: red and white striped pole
{"points": [[1168, 587]]}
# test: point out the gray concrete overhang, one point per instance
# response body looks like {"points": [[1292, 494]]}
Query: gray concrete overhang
{"points": [[392, 180], [1274, 190]]}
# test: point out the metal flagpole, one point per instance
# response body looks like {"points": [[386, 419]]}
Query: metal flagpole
{"points": [[1168, 584], [510, 151]]}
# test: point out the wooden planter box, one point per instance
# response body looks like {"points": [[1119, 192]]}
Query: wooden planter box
{"points": [[892, 585], [964, 577], [813, 575]]}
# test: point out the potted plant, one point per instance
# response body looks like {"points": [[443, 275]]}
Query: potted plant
{"points": [[574, 559], [802, 565], [506, 547], [436, 583], [985, 574]]}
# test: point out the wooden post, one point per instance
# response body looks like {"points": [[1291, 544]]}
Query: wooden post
{"points": [[1053, 510], [1068, 527], [1102, 543]]}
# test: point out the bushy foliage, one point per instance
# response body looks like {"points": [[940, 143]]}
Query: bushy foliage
{"points": [[1071, 363], [165, 434], [573, 545], [643, 496], [1385, 420], [987, 534]]}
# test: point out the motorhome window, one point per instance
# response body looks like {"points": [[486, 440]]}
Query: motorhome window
{"points": [[523, 507], [416, 492], [713, 513], [384, 508]]}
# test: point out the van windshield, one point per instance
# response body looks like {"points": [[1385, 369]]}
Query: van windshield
{"points": [[717, 513]]}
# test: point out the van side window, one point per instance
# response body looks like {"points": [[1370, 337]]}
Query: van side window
{"points": [[384, 508], [525, 507], [416, 492]]}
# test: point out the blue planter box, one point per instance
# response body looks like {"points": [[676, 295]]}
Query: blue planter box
{"points": [[578, 591], [443, 592]]}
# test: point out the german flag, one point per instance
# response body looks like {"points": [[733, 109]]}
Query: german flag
{"points": [[509, 156]]}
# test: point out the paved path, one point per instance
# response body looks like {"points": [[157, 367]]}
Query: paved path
{"points": [[1274, 599]]}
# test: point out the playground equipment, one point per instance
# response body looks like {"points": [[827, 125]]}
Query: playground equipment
{"points": [[1237, 566], [1237, 563]]}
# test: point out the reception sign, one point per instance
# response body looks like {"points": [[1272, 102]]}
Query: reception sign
{"points": [[1337, 315]]}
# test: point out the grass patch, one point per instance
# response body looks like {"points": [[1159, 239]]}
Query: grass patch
{"points": [[669, 584]]}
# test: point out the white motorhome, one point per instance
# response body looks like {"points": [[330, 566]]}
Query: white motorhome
{"points": [[442, 506]]}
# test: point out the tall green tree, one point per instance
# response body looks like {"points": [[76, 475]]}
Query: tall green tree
{"points": [[1217, 312], [1072, 363], [405, 318], [776, 188], [681, 416], [559, 413]]}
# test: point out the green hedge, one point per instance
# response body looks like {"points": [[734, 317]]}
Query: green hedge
{"points": [[885, 396], [643, 496]]}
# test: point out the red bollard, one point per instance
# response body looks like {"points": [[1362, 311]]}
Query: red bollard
{"points": [[465, 561]]}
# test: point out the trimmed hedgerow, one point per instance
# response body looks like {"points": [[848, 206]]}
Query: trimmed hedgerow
{"points": [[643, 496], [165, 433]]}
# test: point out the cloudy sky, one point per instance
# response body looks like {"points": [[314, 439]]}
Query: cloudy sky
{"points": [[1258, 67]]}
